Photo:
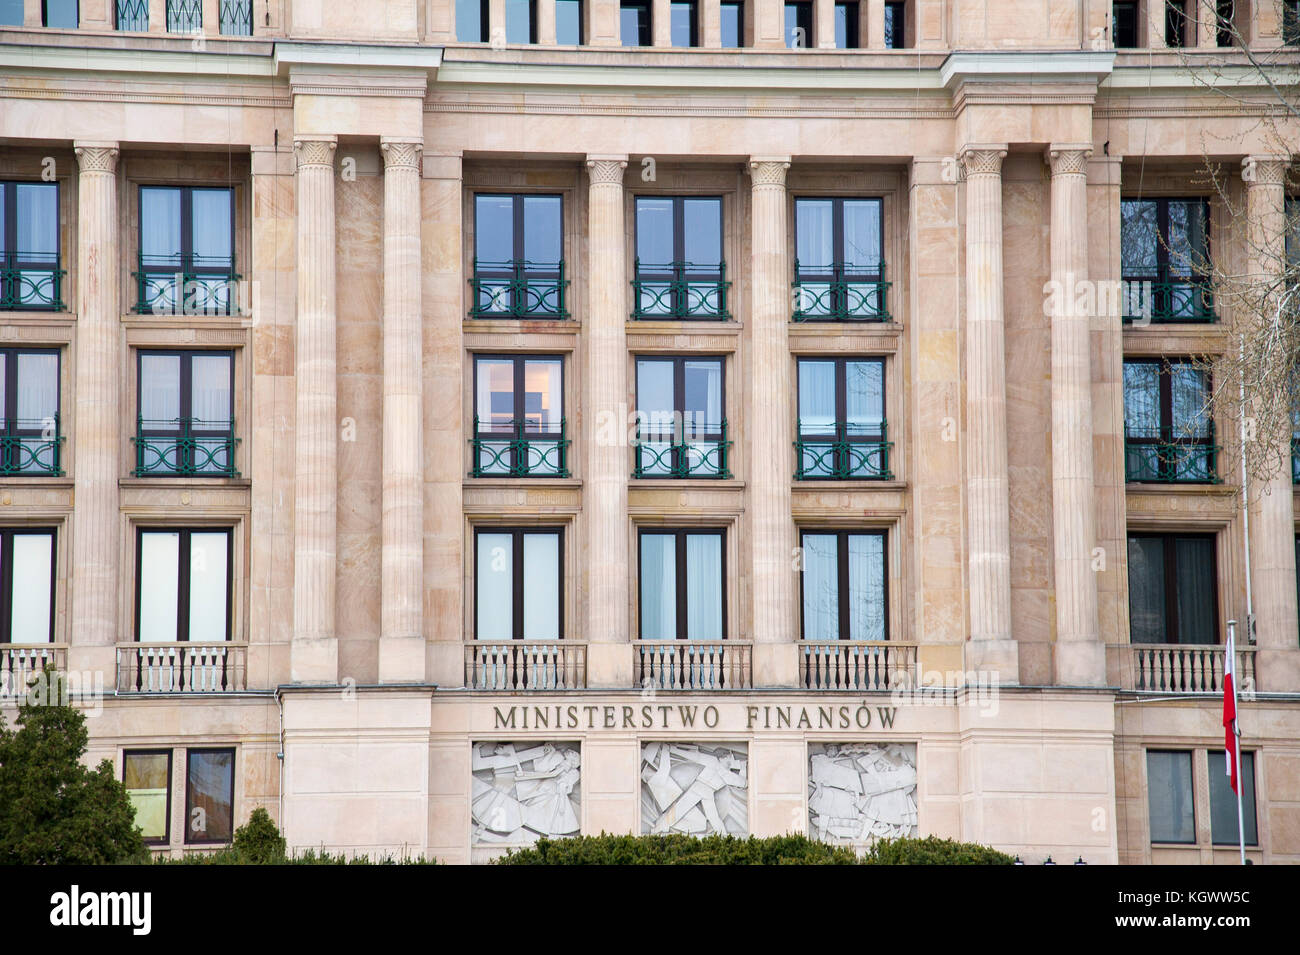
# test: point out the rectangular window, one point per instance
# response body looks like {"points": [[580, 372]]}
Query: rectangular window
{"points": [[846, 26], [844, 585], [1291, 22], [235, 17], [519, 584], [1169, 797], [895, 26], [521, 21], [187, 251], [472, 21], [1223, 801], [209, 795], [1225, 23], [11, 12], [839, 268], [568, 22], [30, 436], [132, 15], [682, 23], [798, 25], [1124, 24], [1168, 423], [184, 16], [30, 277], [147, 777], [518, 257], [519, 417], [733, 25], [26, 584], [634, 22], [186, 423], [682, 576], [1165, 260], [681, 422], [60, 14], [182, 591], [680, 272], [1173, 592], [842, 432], [1176, 23]]}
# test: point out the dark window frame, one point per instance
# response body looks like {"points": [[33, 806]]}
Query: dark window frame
{"points": [[12, 254], [184, 256], [517, 533], [842, 536], [740, 22], [183, 573], [679, 534], [1191, 791], [689, 272], [804, 18], [165, 839], [517, 269], [837, 275], [1172, 433], [852, 24], [1246, 754], [190, 840], [840, 429], [1199, 273], [185, 407], [7, 535], [9, 423], [645, 23], [520, 412], [895, 37], [693, 7], [1130, 36], [679, 401], [1169, 543]]}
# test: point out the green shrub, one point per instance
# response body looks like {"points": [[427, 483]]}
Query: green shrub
{"points": [[933, 851], [258, 841], [676, 849]]}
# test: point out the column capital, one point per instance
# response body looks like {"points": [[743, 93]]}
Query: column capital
{"points": [[401, 153], [606, 169], [1264, 170], [983, 159], [768, 170], [96, 156], [315, 150], [1068, 159]]}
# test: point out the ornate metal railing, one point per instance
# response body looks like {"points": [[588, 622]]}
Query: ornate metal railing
{"points": [[31, 280], [1182, 668], [1157, 456], [31, 446], [186, 284], [185, 447], [513, 449], [235, 17], [680, 290], [840, 293], [523, 665], [133, 15], [21, 663], [184, 16], [1164, 300], [857, 665], [669, 452], [518, 289], [845, 455], [692, 664], [182, 667]]}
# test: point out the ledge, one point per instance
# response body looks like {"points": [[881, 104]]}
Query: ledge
{"points": [[185, 482]]}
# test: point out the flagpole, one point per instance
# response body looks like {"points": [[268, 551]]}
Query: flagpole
{"points": [[1236, 732]]}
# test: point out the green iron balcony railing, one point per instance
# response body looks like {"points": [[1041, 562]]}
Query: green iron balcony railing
{"points": [[184, 16], [1162, 300], [518, 447], [236, 17], [681, 450], [185, 447], [845, 452], [680, 291], [133, 15], [840, 293], [518, 289], [31, 280], [186, 284], [30, 447], [1158, 456]]}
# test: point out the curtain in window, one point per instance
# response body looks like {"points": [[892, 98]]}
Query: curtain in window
{"points": [[209, 578], [1142, 398], [160, 226], [32, 594], [658, 587], [38, 387], [1196, 623], [1139, 238], [814, 246], [542, 586], [654, 398], [210, 400], [1146, 590], [543, 230], [1169, 797], [864, 384], [1187, 230], [654, 231], [702, 232], [817, 397], [1223, 801], [37, 221], [821, 597], [211, 225], [1189, 393], [495, 577], [704, 586], [144, 775], [160, 389], [866, 587], [159, 585], [210, 787], [494, 229], [862, 235]]}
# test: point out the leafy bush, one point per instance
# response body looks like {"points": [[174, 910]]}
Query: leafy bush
{"points": [[258, 841], [933, 851]]}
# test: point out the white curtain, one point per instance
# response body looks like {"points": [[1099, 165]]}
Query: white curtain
{"points": [[821, 598], [817, 397], [862, 234], [867, 587], [864, 385], [1142, 398], [160, 225], [814, 236], [38, 387], [543, 228], [210, 396], [494, 575], [654, 231], [209, 578], [658, 587], [38, 221], [159, 563], [704, 586], [494, 229], [160, 387], [1169, 793], [32, 596], [702, 232], [210, 210], [542, 586]]}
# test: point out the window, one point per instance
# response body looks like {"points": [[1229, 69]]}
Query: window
{"points": [[519, 577], [682, 574], [60, 14], [1223, 801], [844, 585], [1169, 797], [472, 21], [680, 272], [147, 777], [519, 417], [209, 795], [839, 271], [186, 423], [895, 26], [1225, 24], [846, 26], [30, 277], [841, 429], [1168, 425], [1165, 256], [1172, 589], [682, 25], [568, 22], [30, 440], [634, 22], [798, 25], [521, 21], [187, 257], [1124, 24], [1177, 26], [11, 13], [1291, 22], [133, 15], [733, 25], [26, 584], [681, 425], [184, 16], [235, 17], [182, 589], [518, 257]]}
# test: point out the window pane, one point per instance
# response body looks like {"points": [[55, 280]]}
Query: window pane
{"points": [[817, 396], [32, 594], [159, 585], [1139, 237], [1196, 583], [37, 221], [160, 388], [1223, 801], [1146, 590], [493, 229], [704, 586], [495, 577], [846, 26], [654, 386], [658, 587], [864, 385], [61, 14], [496, 394], [469, 23], [145, 777], [209, 796], [894, 26], [814, 236], [542, 586], [703, 407], [634, 24], [1189, 394], [542, 235], [160, 225], [862, 235], [209, 577], [681, 22], [211, 224], [1142, 398], [518, 21], [568, 22], [210, 397], [1187, 229], [656, 419], [38, 387], [798, 23], [866, 587], [731, 26], [654, 231], [702, 231], [542, 405], [11, 13], [821, 587], [1169, 797]]}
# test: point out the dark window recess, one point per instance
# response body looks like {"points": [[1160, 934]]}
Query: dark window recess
{"points": [[1176, 23], [1225, 22], [568, 22], [27, 564], [733, 25], [895, 26], [1291, 22], [1223, 801], [634, 23], [799, 25], [472, 21], [519, 583], [209, 795], [846, 26], [1168, 425], [1173, 589], [683, 29], [682, 593], [1124, 25], [1170, 805]]}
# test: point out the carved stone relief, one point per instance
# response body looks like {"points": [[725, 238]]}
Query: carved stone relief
{"points": [[523, 791], [860, 792], [695, 788]]}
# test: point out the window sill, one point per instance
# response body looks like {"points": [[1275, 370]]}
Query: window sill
{"points": [[1182, 487], [849, 484], [678, 326], [567, 326], [685, 484], [521, 483], [188, 482], [37, 316], [15, 480]]}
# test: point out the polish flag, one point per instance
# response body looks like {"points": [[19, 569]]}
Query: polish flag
{"points": [[1230, 710]]}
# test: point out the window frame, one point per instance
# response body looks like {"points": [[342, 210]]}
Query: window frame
{"points": [[189, 754], [680, 274], [803, 17], [517, 533], [9, 424], [693, 26], [842, 535], [183, 575], [1173, 434], [1198, 280], [1254, 792], [165, 839], [837, 276], [740, 24], [581, 30], [1191, 794], [7, 535], [678, 412], [516, 271], [1173, 622], [185, 403], [852, 24], [842, 457], [645, 23], [11, 253], [520, 433], [185, 254], [680, 608]]}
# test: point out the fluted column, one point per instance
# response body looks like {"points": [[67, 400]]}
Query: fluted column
{"points": [[401, 637], [1272, 513], [95, 566], [987, 506], [1080, 658], [770, 457], [604, 407], [315, 643]]}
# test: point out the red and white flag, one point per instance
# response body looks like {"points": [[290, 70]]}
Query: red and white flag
{"points": [[1230, 710]]}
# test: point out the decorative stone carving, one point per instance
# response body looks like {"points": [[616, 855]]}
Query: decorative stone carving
{"points": [[768, 172], [523, 791], [699, 789], [401, 153], [1264, 170], [606, 171], [314, 152], [861, 792], [1069, 160], [983, 160], [96, 158]]}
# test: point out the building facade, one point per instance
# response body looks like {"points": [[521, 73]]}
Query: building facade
{"points": [[446, 423]]}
